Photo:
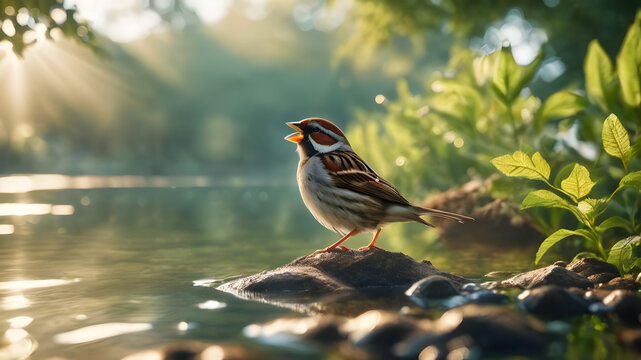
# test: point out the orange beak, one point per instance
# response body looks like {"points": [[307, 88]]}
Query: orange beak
{"points": [[297, 136]]}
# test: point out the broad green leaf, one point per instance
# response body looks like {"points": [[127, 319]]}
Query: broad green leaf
{"points": [[629, 64], [636, 148], [553, 239], [547, 198], [562, 174], [592, 207], [615, 139], [519, 164], [621, 253], [613, 222], [544, 198], [510, 78], [561, 105], [578, 183], [632, 180], [599, 76]]}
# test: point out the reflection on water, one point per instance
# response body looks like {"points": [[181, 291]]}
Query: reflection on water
{"points": [[32, 284], [132, 268], [16, 209], [15, 302], [98, 332], [27, 183], [7, 229]]}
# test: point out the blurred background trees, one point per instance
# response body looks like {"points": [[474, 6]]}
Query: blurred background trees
{"points": [[201, 87]]}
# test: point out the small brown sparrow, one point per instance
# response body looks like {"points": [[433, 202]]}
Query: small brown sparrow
{"points": [[342, 192]]}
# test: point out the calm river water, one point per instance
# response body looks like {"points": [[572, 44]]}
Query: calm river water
{"points": [[89, 269]]}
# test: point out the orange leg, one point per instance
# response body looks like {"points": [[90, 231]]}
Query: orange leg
{"points": [[371, 245], [338, 243]]}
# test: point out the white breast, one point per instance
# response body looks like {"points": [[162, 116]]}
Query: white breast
{"points": [[335, 208]]}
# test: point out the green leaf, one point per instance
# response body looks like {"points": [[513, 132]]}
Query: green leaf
{"points": [[510, 78], [621, 253], [629, 64], [578, 183], [561, 105], [632, 179], [592, 207], [615, 139], [613, 222], [562, 174], [547, 198], [600, 78], [544, 198], [520, 165], [553, 239]]}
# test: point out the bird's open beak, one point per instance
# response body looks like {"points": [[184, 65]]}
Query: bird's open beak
{"points": [[297, 136]]}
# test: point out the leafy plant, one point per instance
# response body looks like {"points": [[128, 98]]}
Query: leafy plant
{"points": [[572, 196]]}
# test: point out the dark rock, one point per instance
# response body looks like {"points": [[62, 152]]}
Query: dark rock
{"points": [[631, 338], [591, 266], [471, 287], [196, 350], [488, 297], [497, 222], [553, 302], [601, 278], [560, 263], [494, 330], [626, 305], [595, 295], [623, 283], [433, 287], [550, 275], [325, 329], [330, 272]]}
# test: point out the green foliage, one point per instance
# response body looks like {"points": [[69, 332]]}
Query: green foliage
{"points": [[599, 76], [626, 254], [519, 164], [615, 139], [490, 104], [21, 20], [575, 187], [629, 65]]}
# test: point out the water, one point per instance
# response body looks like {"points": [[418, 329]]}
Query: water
{"points": [[133, 264]]}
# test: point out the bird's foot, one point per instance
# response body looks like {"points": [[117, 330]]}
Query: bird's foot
{"points": [[340, 248], [369, 247], [343, 248]]}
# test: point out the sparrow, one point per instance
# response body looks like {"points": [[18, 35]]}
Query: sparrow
{"points": [[342, 192]]}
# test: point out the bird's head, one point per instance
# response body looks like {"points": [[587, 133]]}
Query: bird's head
{"points": [[316, 135]]}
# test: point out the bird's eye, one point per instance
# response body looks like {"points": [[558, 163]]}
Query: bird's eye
{"points": [[314, 130]]}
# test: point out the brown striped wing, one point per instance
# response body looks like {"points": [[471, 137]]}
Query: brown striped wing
{"points": [[349, 171]]}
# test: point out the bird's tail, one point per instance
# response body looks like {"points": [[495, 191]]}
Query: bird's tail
{"points": [[440, 213]]}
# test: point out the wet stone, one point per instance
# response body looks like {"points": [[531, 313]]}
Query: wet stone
{"points": [[591, 266], [552, 302], [561, 263], [488, 297], [626, 305], [623, 283], [471, 287], [433, 287], [550, 275], [631, 338], [601, 278], [332, 272], [195, 350], [494, 330]]}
